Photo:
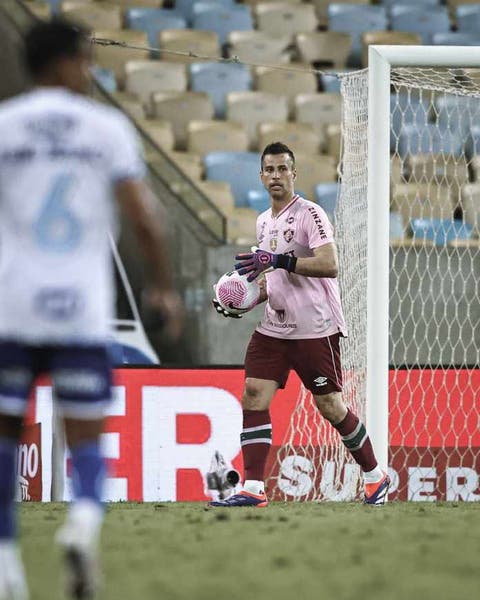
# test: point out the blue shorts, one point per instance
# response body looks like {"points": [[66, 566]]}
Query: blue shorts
{"points": [[81, 377]]}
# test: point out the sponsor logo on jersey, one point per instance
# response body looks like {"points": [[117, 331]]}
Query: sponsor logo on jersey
{"points": [[318, 222], [58, 304], [319, 381], [288, 235]]}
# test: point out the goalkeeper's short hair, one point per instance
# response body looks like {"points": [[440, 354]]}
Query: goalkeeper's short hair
{"points": [[277, 148]]}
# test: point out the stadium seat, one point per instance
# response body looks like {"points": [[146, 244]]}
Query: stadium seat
{"points": [[312, 170], [181, 108], [144, 77], [130, 104], [321, 8], [426, 3], [318, 110], [420, 19], [242, 226], [472, 146], [218, 79], [188, 41], [324, 48], [252, 108], [397, 228], [470, 204], [456, 113], [333, 140], [219, 193], [406, 109], [93, 15], [186, 7], [439, 168], [330, 82], [189, 163], [355, 20], [42, 10], [285, 19], [259, 200], [216, 136], [142, 3], [468, 18], [456, 38], [114, 58], [256, 46], [389, 38], [440, 231], [286, 83], [299, 137], [326, 195], [153, 20], [240, 169], [160, 131], [105, 78], [221, 19], [422, 201], [415, 139]]}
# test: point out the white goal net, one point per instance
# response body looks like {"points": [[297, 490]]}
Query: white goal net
{"points": [[434, 306]]}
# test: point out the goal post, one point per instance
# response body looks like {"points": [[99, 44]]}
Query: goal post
{"points": [[380, 61]]}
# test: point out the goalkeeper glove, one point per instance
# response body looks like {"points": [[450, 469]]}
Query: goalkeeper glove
{"points": [[255, 262], [223, 311]]}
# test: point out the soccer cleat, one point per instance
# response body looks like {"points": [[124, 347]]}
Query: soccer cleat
{"points": [[242, 499], [78, 539], [13, 585], [376, 493]]}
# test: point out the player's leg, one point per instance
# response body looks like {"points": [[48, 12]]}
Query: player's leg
{"points": [[266, 369], [320, 371], [82, 382], [16, 376]]}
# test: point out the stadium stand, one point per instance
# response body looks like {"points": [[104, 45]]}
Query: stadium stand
{"points": [[392, 38], [286, 83], [312, 170], [239, 169], [186, 7], [216, 136], [456, 38], [424, 201], [93, 14], [188, 41], [218, 79], [300, 137], [326, 195], [420, 19], [283, 18], [109, 57], [160, 131], [468, 18], [249, 46], [220, 193], [152, 21], [144, 77], [330, 48], [259, 200], [318, 110], [221, 19]]}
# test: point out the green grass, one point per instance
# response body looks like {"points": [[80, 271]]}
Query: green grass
{"points": [[409, 551]]}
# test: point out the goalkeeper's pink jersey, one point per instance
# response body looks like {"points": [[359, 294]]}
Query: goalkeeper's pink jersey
{"points": [[299, 306]]}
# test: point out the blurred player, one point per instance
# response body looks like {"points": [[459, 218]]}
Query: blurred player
{"points": [[63, 160], [301, 328]]}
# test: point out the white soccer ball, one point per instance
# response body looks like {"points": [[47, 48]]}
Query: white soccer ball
{"points": [[236, 294]]}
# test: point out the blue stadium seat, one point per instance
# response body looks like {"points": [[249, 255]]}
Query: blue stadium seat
{"points": [[456, 113], [405, 109], [326, 195], [186, 7], [240, 169], [222, 20], [440, 231], [391, 3], [218, 79], [397, 231], [105, 77], [331, 83], [456, 38], [468, 18], [428, 139], [259, 200], [472, 147], [420, 19], [153, 20], [355, 19]]}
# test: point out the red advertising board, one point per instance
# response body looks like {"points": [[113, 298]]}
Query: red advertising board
{"points": [[29, 464]]}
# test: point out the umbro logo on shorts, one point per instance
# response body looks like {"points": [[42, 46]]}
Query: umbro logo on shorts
{"points": [[320, 381]]}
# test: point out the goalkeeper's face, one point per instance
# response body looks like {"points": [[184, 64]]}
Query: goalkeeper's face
{"points": [[278, 176]]}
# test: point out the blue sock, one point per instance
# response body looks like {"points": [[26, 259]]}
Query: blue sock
{"points": [[8, 448], [88, 471]]}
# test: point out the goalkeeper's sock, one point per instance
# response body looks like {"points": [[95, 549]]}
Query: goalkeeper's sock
{"points": [[256, 439], [8, 448], [253, 486], [88, 470], [373, 476], [356, 440]]}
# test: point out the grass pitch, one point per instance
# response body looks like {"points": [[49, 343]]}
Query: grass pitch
{"points": [[163, 551]]}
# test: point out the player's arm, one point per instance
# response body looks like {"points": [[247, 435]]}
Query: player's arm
{"points": [[323, 263], [144, 215]]}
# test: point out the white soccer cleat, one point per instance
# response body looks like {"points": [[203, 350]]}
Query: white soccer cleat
{"points": [[79, 540], [13, 585]]}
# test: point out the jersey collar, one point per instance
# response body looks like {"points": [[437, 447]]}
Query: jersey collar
{"points": [[292, 201]]}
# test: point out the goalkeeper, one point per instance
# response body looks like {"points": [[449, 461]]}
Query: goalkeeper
{"points": [[301, 329]]}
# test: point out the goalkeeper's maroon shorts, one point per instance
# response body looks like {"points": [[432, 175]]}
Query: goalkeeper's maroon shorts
{"points": [[316, 361]]}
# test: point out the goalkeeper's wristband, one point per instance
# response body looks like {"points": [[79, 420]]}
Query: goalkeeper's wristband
{"points": [[285, 261]]}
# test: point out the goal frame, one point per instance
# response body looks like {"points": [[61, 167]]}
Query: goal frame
{"points": [[380, 61]]}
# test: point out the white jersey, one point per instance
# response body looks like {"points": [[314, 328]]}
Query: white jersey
{"points": [[60, 156]]}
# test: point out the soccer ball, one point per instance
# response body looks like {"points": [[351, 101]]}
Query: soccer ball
{"points": [[236, 294]]}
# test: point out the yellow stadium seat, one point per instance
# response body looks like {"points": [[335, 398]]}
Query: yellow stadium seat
{"points": [[425, 201], [216, 136], [144, 77], [324, 47], [180, 108], [242, 226], [299, 137], [438, 168], [333, 140], [321, 7], [115, 58], [259, 46], [190, 164], [253, 108], [42, 10], [219, 193], [314, 169], [93, 15], [160, 131], [283, 18], [470, 203], [286, 83], [319, 110], [188, 40], [129, 104]]}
